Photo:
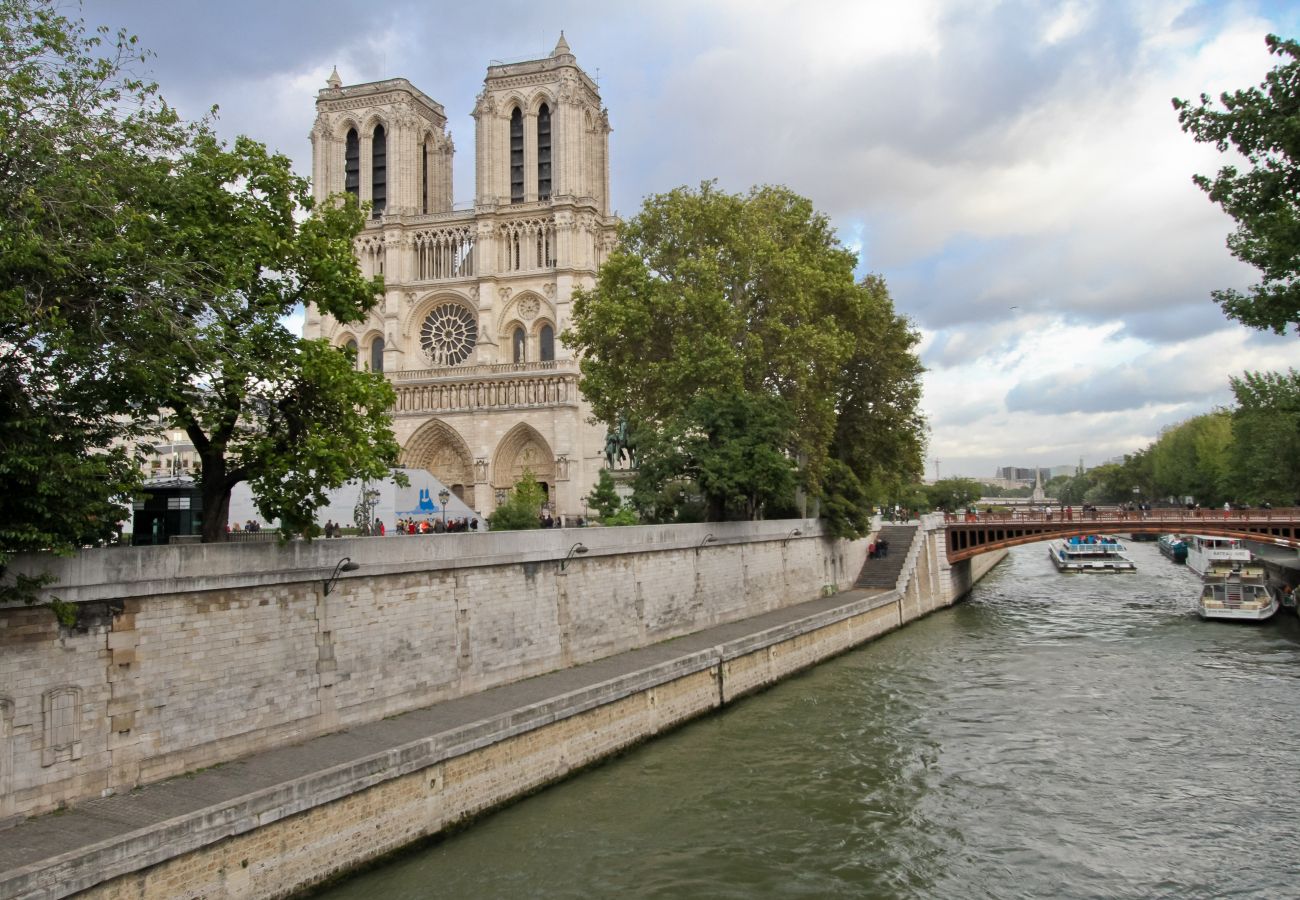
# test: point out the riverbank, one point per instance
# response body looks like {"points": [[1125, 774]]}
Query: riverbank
{"points": [[278, 821]]}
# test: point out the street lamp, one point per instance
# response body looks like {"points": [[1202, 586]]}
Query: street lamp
{"points": [[708, 539], [344, 565], [443, 496], [576, 548]]}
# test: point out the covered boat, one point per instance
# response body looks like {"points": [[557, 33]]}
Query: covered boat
{"points": [[1240, 594], [1173, 547], [1093, 553], [1208, 553]]}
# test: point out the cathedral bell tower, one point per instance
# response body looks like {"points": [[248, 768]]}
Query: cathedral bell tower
{"points": [[386, 143], [542, 134]]}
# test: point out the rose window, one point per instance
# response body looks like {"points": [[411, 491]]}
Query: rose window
{"points": [[448, 334]]}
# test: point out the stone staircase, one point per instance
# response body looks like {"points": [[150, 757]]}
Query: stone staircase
{"points": [[884, 573]]}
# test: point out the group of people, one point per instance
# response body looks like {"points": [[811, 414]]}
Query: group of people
{"points": [[877, 549], [437, 526], [251, 525]]}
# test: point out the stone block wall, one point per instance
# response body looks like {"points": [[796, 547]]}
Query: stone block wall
{"points": [[189, 656]]}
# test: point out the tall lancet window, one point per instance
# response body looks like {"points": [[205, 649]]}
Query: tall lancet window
{"points": [[544, 153], [546, 342], [377, 355], [519, 343], [379, 172], [516, 156], [352, 164]]}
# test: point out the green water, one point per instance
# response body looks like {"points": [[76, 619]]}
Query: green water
{"points": [[1055, 735]]}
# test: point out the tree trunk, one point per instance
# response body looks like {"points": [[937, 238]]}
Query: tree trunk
{"points": [[216, 498]]}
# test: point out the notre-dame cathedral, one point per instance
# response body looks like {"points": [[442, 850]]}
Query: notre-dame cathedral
{"points": [[475, 299]]}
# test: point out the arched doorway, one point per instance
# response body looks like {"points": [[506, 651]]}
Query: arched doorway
{"points": [[523, 448], [440, 449]]}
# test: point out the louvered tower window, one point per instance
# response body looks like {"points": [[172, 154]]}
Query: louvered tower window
{"points": [[424, 179], [516, 156], [544, 153], [352, 164], [379, 172]]}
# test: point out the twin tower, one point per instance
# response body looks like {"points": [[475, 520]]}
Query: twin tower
{"points": [[477, 294]]}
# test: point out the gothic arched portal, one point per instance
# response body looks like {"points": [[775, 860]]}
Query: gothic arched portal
{"points": [[438, 448], [523, 448]]}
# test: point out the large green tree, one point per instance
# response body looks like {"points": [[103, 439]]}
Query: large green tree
{"points": [[293, 417], [729, 330], [146, 268], [1265, 449], [1262, 124], [80, 143]]}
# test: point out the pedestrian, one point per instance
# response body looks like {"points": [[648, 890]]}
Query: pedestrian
{"points": [[1227, 508], [379, 527]]}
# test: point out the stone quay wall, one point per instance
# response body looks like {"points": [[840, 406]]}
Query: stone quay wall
{"points": [[189, 656], [275, 842]]}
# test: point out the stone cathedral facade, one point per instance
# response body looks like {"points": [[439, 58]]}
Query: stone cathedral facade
{"points": [[475, 299]]}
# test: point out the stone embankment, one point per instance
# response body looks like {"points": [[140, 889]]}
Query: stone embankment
{"points": [[697, 617]]}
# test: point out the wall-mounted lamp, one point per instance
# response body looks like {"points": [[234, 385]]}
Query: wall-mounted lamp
{"points": [[708, 539], [576, 548], [793, 534], [344, 565]]}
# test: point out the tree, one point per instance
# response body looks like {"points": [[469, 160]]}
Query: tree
{"points": [[1265, 450], [145, 268], [1260, 124], [754, 343], [603, 498], [523, 507], [1192, 459], [292, 417], [953, 493], [729, 447], [80, 143]]}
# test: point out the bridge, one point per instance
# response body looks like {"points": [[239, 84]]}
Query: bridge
{"points": [[970, 534]]}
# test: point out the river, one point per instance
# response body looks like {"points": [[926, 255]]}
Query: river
{"points": [[1054, 735]]}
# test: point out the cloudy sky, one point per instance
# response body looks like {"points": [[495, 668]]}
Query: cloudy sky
{"points": [[1014, 169]]}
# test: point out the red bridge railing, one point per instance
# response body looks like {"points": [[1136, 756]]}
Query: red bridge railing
{"points": [[970, 534]]}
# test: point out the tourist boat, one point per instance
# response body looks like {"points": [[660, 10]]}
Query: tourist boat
{"points": [[1239, 593], [1206, 554], [1173, 547], [1094, 553]]}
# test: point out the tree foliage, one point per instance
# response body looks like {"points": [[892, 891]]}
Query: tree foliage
{"points": [[80, 142], [952, 494], [523, 506], [146, 268], [1262, 124], [757, 362], [1265, 450], [604, 498], [290, 416]]}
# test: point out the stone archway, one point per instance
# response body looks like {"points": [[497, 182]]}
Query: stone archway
{"points": [[523, 448], [437, 446]]}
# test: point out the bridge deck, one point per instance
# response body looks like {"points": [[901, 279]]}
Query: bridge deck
{"points": [[972, 534]]}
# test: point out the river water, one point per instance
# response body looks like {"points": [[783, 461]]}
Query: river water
{"points": [[1054, 735]]}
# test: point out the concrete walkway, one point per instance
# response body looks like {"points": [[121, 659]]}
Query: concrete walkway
{"points": [[58, 853]]}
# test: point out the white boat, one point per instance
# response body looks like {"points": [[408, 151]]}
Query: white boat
{"points": [[1207, 554], [1094, 553], [1239, 594]]}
